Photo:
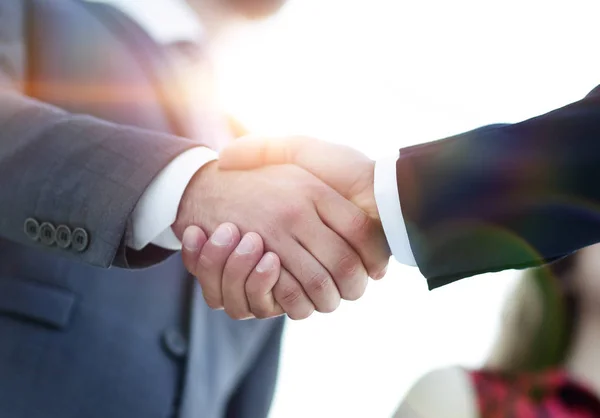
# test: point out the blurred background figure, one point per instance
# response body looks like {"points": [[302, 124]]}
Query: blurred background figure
{"points": [[545, 361]]}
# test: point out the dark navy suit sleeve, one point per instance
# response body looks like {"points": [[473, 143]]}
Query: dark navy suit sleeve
{"points": [[504, 196], [253, 397], [76, 171]]}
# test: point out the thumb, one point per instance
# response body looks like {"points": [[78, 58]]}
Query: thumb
{"points": [[192, 242], [254, 152]]}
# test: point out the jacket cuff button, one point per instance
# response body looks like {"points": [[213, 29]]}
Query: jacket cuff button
{"points": [[64, 236], [80, 240], [47, 234], [32, 229]]}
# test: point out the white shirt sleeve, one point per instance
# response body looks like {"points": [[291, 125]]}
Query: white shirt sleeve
{"points": [[156, 210], [390, 212]]}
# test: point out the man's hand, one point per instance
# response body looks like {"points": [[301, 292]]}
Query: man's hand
{"points": [[240, 269], [319, 236], [343, 168]]}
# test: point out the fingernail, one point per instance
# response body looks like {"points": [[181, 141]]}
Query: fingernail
{"points": [[246, 246], [266, 263], [223, 236], [190, 238]]}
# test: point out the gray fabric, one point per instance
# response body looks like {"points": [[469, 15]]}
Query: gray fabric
{"points": [[78, 339]]}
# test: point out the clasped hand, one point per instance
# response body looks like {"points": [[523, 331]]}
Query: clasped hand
{"points": [[293, 228]]}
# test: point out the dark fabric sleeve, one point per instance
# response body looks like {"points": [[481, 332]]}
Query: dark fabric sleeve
{"points": [[253, 398], [504, 196], [76, 171]]}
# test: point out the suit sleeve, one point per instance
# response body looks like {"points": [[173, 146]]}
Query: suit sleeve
{"points": [[254, 396], [79, 172], [504, 196]]}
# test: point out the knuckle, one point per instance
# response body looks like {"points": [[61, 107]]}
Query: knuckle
{"points": [[347, 267], [291, 213], [291, 295], [361, 225], [318, 282]]}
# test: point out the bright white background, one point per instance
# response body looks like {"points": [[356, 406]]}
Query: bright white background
{"points": [[379, 75]]}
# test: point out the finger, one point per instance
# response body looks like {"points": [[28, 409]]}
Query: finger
{"points": [[381, 275], [358, 229], [339, 258], [252, 152], [291, 297], [211, 262], [314, 278], [259, 287], [237, 269], [192, 242]]}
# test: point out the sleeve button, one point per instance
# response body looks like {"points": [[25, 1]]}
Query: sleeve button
{"points": [[47, 234], [80, 240], [32, 229], [64, 237]]}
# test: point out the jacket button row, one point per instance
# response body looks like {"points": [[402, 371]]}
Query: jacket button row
{"points": [[62, 236]]}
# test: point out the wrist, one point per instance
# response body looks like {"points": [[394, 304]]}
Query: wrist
{"points": [[189, 210]]}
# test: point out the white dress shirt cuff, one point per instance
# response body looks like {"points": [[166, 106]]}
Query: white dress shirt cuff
{"points": [[157, 209], [390, 212]]}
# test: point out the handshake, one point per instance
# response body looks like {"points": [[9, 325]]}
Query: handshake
{"points": [[284, 226]]}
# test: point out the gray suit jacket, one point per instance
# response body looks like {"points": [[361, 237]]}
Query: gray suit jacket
{"points": [[88, 116]]}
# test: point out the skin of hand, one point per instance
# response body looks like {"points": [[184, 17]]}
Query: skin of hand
{"points": [[322, 240], [247, 273], [345, 169]]}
